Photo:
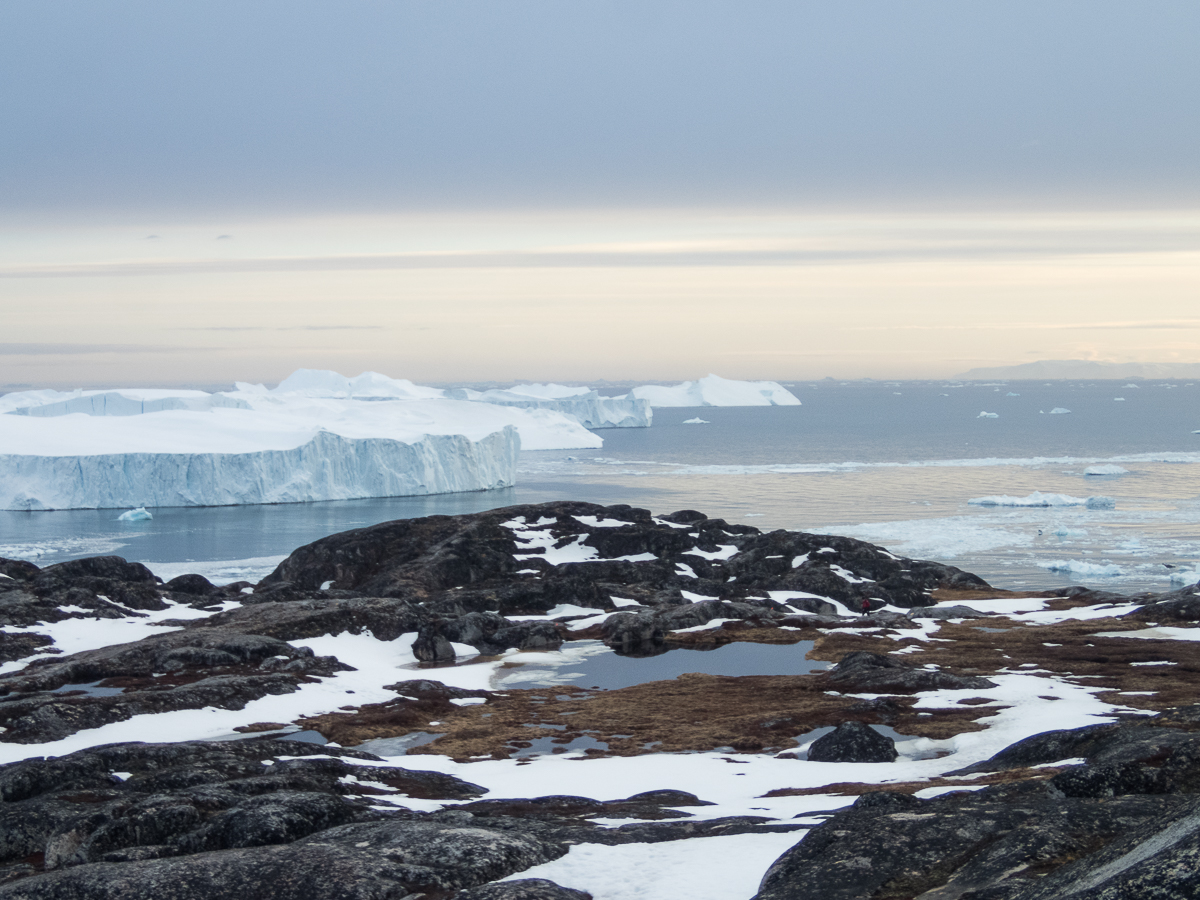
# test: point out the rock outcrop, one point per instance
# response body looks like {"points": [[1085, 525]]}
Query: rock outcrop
{"points": [[853, 742]]}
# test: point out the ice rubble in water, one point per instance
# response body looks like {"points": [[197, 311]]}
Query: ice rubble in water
{"points": [[1037, 498], [716, 391]]}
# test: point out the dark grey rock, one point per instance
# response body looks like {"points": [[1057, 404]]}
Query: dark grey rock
{"points": [[365, 861], [877, 674], [522, 889], [946, 612], [853, 742]]}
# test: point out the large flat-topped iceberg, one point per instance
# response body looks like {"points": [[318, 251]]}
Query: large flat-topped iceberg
{"points": [[187, 448], [716, 391], [324, 450]]}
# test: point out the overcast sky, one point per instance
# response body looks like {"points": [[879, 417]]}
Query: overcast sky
{"points": [[461, 191]]}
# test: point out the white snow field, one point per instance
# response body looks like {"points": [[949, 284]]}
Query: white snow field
{"points": [[716, 391]]}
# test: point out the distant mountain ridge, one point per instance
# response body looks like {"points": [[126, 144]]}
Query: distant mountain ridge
{"points": [[1083, 368]]}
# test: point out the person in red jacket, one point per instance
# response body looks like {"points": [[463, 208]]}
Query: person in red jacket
{"points": [[866, 606]]}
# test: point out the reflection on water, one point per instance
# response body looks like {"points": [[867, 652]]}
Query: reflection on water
{"points": [[603, 668]]}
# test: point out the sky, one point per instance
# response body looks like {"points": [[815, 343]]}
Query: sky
{"points": [[468, 191]]}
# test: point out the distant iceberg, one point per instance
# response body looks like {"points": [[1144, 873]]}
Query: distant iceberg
{"points": [[988, 415], [1105, 470], [716, 391], [583, 405], [1059, 411], [1039, 499], [696, 421]]}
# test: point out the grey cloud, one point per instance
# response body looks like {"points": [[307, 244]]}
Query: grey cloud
{"points": [[403, 104]]}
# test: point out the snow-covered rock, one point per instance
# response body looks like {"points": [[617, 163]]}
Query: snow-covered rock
{"points": [[716, 391]]}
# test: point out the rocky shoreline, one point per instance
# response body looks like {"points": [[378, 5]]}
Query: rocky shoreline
{"points": [[283, 805]]}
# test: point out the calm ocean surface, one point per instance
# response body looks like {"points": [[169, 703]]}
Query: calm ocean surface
{"points": [[890, 462]]}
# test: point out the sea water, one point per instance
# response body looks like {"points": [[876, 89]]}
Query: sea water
{"points": [[895, 463]]}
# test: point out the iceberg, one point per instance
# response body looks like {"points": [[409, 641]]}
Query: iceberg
{"points": [[320, 438], [988, 415], [327, 466], [585, 406], [1059, 411], [141, 514], [716, 391]]}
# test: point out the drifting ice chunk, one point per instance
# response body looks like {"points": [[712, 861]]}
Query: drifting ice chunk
{"points": [[1059, 411], [988, 415], [1038, 499], [716, 391], [696, 421], [1105, 470], [141, 514]]}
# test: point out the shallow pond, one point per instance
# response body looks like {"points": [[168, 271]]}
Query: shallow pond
{"points": [[591, 664]]}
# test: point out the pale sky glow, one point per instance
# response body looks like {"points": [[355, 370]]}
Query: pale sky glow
{"points": [[601, 296], [625, 191]]}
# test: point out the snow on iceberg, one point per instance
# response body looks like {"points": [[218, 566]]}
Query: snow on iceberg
{"points": [[716, 391], [124, 402], [581, 404], [1038, 499], [322, 383]]}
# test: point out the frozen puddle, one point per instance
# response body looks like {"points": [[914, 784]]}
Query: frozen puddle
{"points": [[591, 664]]}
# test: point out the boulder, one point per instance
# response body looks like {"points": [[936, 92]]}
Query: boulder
{"points": [[522, 889], [874, 673], [853, 742]]}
